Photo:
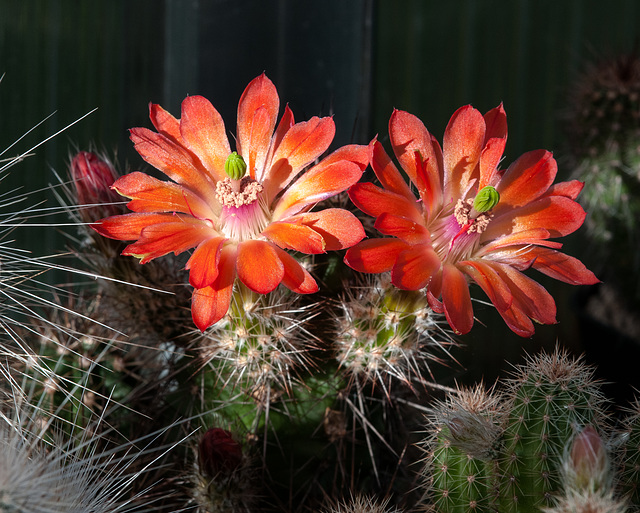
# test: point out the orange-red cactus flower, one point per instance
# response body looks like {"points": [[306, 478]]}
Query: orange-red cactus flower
{"points": [[472, 222], [240, 210]]}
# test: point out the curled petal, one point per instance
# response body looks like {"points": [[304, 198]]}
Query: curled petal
{"points": [[375, 255], [526, 179], [210, 304], [490, 281], [339, 228], [461, 148], [159, 239], [204, 263], [375, 201], [295, 236], [401, 227], [317, 184], [258, 266], [257, 115], [149, 194], [456, 300], [173, 160], [296, 277], [414, 267], [518, 321], [531, 297]]}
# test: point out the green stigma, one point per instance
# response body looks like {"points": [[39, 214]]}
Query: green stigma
{"points": [[235, 166], [486, 199]]}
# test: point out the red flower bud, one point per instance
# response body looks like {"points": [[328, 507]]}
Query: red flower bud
{"points": [[219, 452], [93, 178], [588, 461]]}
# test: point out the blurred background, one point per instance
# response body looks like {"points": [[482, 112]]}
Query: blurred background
{"points": [[356, 60]]}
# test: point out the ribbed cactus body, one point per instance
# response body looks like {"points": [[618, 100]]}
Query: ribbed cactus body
{"points": [[460, 482], [552, 399]]}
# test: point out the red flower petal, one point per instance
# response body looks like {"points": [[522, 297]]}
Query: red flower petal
{"points": [[339, 228], [557, 214], [257, 115], [518, 321], [296, 278], [302, 144], [374, 255], [210, 304], [375, 201], [569, 189], [557, 265], [295, 236], [456, 300], [286, 122], [165, 123], [403, 228], [173, 160], [533, 236], [203, 130], [529, 295], [489, 160], [527, 179], [496, 123], [414, 267], [317, 184], [129, 226], [388, 173], [176, 236], [419, 155], [258, 266], [461, 147], [204, 263], [490, 281], [151, 195]]}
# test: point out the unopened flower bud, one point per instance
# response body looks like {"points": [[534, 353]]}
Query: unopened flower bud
{"points": [[486, 199], [588, 462], [219, 452], [92, 178], [235, 166]]}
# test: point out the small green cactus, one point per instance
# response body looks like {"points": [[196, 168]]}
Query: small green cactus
{"points": [[463, 450], [551, 398], [505, 450]]}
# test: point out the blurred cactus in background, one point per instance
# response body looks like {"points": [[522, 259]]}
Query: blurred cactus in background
{"points": [[603, 125]]}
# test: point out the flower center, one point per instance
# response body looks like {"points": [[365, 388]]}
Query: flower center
{"points": [[244, 211], [455, 237]]}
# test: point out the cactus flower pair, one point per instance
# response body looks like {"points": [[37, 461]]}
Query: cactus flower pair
{"points": [[240, 210]]}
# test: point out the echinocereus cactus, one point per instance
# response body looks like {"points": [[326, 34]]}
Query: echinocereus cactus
{"points": [[239, 210], [472, 222]]}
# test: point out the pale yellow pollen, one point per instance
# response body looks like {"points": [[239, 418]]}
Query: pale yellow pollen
{"points": [[247, 192], [464, 215]]}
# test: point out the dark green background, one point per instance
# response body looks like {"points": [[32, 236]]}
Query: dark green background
{"points": [[355, 59]]}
